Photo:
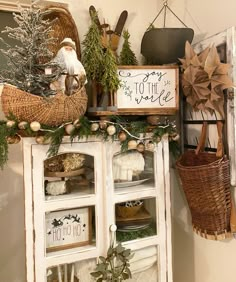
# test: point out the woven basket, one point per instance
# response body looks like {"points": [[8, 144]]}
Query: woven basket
{"points": [[64, 27], [205, 180], [50, 111], [60, 108]]}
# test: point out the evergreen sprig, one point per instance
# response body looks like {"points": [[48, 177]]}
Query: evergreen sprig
{"points": [[92, 53], [115, 267], [110, 80], [127, 56], [55, 138], [3, 146]]}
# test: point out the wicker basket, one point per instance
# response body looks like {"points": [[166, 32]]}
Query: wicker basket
{"points": [[52, 111], [205, 180], [60, 108], [63, 27]]}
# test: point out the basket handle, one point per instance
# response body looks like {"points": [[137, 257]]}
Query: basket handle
{"points": [[201, 143], [220, 147]]}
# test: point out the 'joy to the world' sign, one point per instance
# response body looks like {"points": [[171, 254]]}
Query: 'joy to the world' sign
{"points": [[148, 89]]}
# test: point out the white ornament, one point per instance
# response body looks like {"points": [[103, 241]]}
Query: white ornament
{"points": [[132, 144], [94, 127], [69, 128], [22, 124], [35, 126], [10, 123], [111, 129]]}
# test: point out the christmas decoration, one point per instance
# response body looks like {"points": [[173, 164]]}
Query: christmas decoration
{"points": [[150, 146], [140, 147], [94, 127], [69, 128], [92, 57], [35, 126], [127, 56], [111, 130], [204, 79], [130, 134], [114, 267], [28, 60], [22, 125], [132, 144], [10, 123], [100, 66], [103, 124], [73, 75], [122, 136], [110, 80]]}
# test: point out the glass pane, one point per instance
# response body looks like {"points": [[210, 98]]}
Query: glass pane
{"points": [[136, 219], [68, 175], [70, 228], [144, 265], [74, 272], [133, 170]]}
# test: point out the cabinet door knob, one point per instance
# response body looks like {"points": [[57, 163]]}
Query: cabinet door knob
{"points": [[113, 228]]}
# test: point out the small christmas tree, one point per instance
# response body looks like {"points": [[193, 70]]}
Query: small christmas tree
{"points": [[110, 80], [27, 62], [92, 56], [127, 56]]}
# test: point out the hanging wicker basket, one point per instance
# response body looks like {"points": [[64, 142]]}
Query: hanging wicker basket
{"points": [[60, 108], [205, 179], [49, 111]]}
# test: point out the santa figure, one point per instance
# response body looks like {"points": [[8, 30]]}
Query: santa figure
{"points": [[73, 74]]}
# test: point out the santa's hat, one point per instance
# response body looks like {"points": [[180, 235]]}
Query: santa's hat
{"points": [[68, 42]]}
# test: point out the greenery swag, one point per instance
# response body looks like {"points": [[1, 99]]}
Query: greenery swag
{"points": [[11, 131]]}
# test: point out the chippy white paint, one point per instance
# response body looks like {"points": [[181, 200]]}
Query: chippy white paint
{"points": [[104, 200]]}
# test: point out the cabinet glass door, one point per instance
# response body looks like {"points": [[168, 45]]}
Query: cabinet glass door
{"points": [[68, 209]]}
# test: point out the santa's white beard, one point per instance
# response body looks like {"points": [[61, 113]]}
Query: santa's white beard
{"points": [[69, 63]]}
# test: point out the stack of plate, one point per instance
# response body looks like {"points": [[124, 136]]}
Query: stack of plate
{"points": [[139, 221]]}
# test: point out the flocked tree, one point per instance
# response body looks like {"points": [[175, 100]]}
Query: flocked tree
{"points": [[92, 56], [127, 56], [110, 80], [28, 60]]}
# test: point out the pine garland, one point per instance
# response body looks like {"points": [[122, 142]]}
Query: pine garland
{"points": [[82, 128]]}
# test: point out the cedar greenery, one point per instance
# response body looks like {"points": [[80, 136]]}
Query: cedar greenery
{"points": [[127, 56], [28, 59]]}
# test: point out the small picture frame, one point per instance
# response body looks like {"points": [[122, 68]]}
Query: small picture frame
{"points": [[68, 228]]}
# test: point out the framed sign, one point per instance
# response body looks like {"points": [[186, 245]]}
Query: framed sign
{"points": [[148, 90], [68, 228]]}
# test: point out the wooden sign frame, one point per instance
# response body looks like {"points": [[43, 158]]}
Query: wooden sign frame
{"points": [[148, 90], [63, 228]]}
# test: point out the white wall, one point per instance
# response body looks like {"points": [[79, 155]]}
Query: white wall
{"points": [[195, 259]]}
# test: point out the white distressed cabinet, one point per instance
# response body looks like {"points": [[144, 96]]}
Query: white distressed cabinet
{"points": [[66, 233]]}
